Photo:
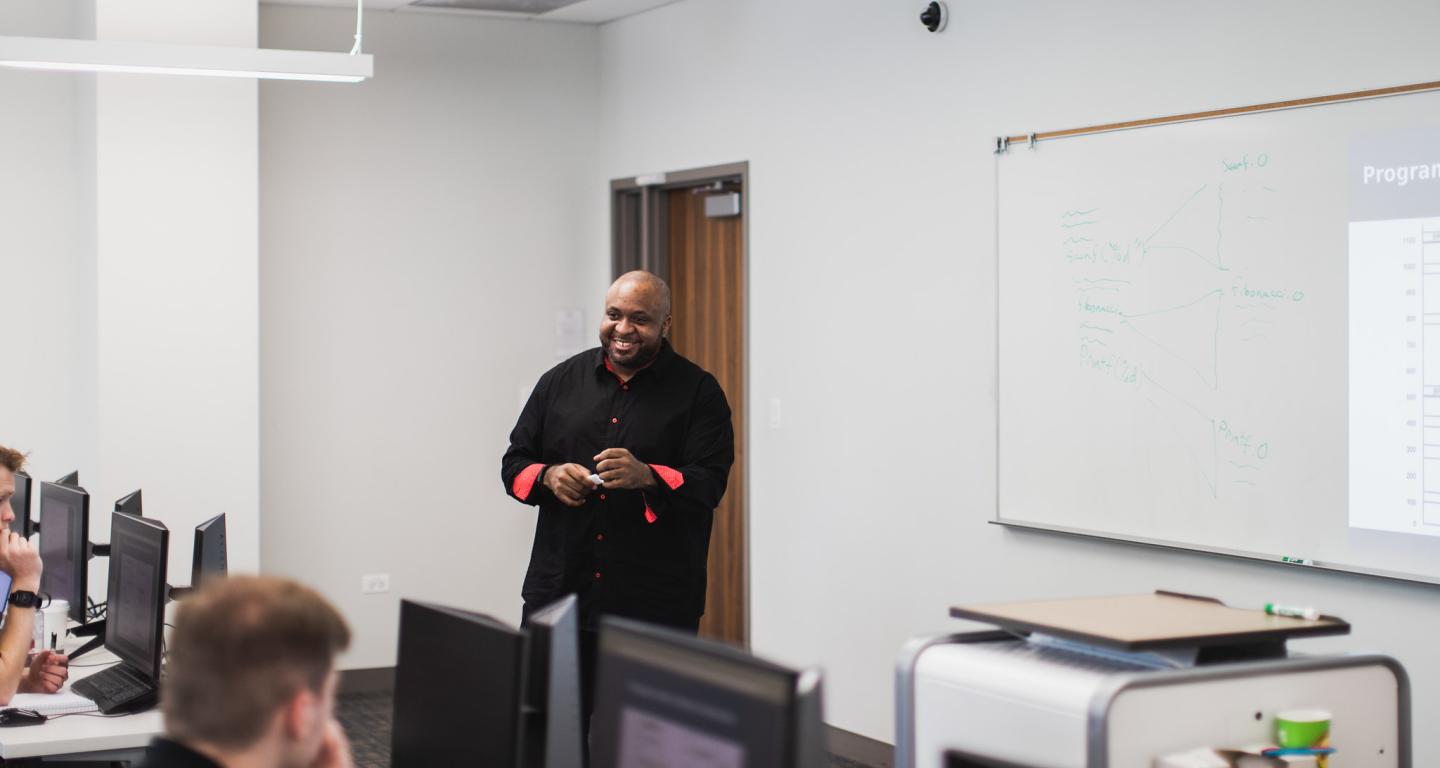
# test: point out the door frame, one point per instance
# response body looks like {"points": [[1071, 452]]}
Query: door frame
{"points": [[643, 197]]}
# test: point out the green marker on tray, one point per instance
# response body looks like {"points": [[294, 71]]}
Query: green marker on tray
{"points": [[1294, 611]]}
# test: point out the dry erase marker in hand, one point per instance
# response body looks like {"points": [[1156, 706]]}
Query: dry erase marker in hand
{"points": [[1293, 611]]}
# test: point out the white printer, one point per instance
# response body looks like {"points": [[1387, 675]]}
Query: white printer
{"points": [[1096, 691]]}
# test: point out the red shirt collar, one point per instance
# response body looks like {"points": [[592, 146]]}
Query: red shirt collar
{"points": [[611, 368], [606, 358]]}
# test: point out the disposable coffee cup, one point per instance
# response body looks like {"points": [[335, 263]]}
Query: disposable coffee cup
{"points": [[52, 621], [1301, 728]]}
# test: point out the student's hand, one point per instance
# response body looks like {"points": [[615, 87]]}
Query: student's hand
{"points": [[620, 469], [46, 674], [21, 560], [570, 483], [335, 749]]}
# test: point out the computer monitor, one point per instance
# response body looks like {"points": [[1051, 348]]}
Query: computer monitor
{"points": [[550, 717], [954, 759], [20, 505], [459, 682], [130, 504], [65, 545], [72, 479], [470, 690], [668, 698], [210, 551], [135, 613]]}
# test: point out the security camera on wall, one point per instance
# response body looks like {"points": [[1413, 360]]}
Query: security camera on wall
{"points": [[935, 16]]}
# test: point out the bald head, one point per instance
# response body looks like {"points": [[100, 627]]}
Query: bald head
{"points": [[646, 284], [637, 317]]}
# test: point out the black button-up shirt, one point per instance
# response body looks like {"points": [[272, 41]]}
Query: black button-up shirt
{"points": [[164, 753], [640, 554]]}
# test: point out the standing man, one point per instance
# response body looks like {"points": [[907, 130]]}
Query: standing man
{"points": [[20, 568], [654, 429]]}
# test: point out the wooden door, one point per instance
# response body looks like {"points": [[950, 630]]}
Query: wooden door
{"points": [[707, 282]]}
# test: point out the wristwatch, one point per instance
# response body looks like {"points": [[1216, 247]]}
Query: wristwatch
{"points": [[23, 598]]}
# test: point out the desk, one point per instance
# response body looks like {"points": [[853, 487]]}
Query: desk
{"points": [[84, 736]]}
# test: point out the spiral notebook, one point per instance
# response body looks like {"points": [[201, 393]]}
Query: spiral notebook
{"points": [[62, 703]]}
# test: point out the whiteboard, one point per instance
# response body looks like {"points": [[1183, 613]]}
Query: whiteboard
{"points": [[1213, 335]]}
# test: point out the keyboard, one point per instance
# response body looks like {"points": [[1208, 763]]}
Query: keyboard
{"points": [[117, 689], [1071, 656]]}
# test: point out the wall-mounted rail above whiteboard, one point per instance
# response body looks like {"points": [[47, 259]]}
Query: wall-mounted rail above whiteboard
{"points": [[1224, 335]]}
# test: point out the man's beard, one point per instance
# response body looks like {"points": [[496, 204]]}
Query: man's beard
{"points": [[644, 355]]}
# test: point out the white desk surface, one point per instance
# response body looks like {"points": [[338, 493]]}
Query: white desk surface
{"points": [[90, 732]]}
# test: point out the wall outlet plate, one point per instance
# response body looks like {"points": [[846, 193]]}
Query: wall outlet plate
{"points": [[375, 583]]}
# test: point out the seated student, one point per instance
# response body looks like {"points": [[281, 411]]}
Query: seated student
{"points": [[250, 679], [20, 581]]}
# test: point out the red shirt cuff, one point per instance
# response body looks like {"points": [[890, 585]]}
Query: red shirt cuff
{"points": [[672, 478], [525, 481]]}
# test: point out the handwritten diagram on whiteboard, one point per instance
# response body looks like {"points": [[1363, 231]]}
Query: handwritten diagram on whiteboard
{"points": [[1206, 340]]}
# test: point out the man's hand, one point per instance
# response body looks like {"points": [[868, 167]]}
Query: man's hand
{"points": [[21, 560], [570, 483], [620, 469], [335, 749], [46, 674]]}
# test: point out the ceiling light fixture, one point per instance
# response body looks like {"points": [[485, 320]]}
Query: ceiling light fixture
{"points": [[68, 55]]}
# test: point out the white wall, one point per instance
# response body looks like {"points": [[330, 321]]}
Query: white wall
{"points": [[128, 257], [872, 309], [417, 239], [47, 267], [176, 254]]}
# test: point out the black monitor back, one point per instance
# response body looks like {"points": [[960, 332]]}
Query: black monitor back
{"points": [[210, 559], [20, 505], [72, 479], [551, 715], [459, 683], [135, 601], [659, 690], [64, 545], [131, 504], [812, 741], [955, 759]]}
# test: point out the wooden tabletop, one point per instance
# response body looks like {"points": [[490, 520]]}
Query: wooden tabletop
{"points": [[1142, 622]]}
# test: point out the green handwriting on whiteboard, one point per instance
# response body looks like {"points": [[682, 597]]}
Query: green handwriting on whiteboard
{"points": [[1241, 288], [1245, 442], [1245, 162], [1091, 308], [1118, 367], [1109, 253]]}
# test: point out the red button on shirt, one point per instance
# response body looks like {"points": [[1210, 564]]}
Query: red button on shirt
{"points": [[599, 537], [602, 497], [597, 574], [614, 420]]}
